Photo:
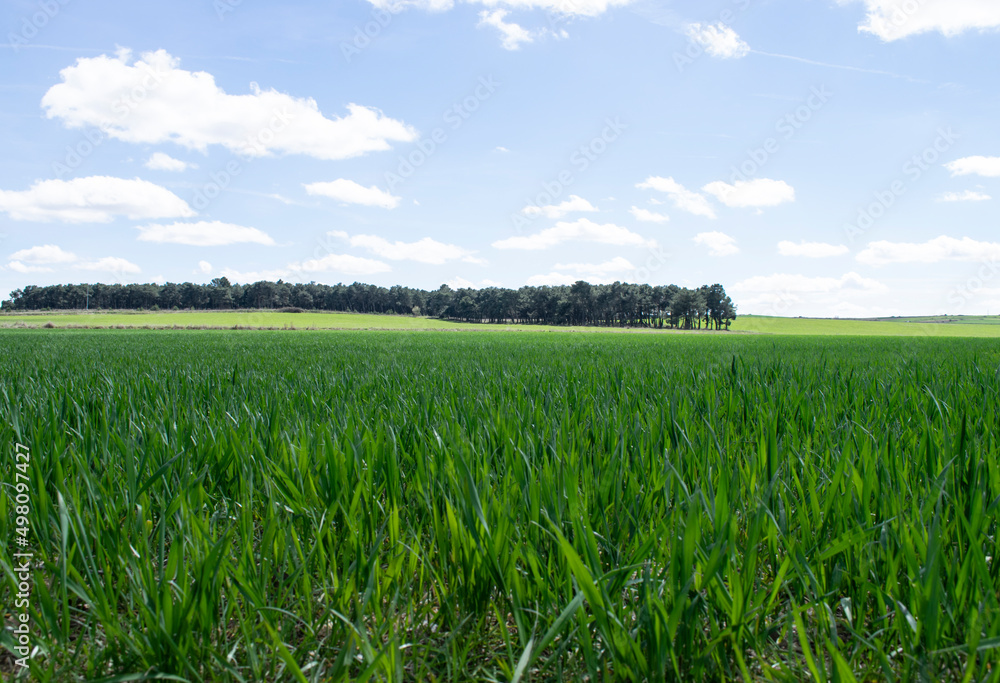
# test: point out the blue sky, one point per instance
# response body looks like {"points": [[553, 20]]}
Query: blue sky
{"points": [[816, 157]]}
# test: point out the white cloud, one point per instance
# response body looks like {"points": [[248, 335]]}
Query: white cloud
{"points": [[250, 276], [204, 267], [573, 203], [777, 294], [582, 8], [428, 5], [718, 40], [350, 192], [941, 248], [811, 249], [202, 234], [967, 196], [582, 230], [718, 243], [984, 166], [751, 193], [20, 267], [45, 254], [341, 263], [804, 283], [894, 19], [189, 109], [511, 34], [683, 198], [501, 149], [94, 199], [425, 250], [38, 260], [460, 282], [164, 162], [648, 216], [617, 268], [112, 264]]}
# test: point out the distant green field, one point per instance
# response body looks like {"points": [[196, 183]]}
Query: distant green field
{"points": [[377, 506], [351, 321], [911, 327], [971, 326]]}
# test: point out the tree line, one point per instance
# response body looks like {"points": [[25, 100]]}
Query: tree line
{"points": [[612, 305]]}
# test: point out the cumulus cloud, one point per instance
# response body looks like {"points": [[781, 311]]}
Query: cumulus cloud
{"points": [[979, 165], [894, 19], [751, 193], [648, 216], [573, 203], [341, 263], [581, 8], [718, 243], [111, 264], [811, 249], [164, 162], [204, 267], [460, 282], [338, 264], [781, 291], [681, 197], [39, 259], [941, 248], [350, 192], [45, 254], [21, 267], [511, 34], [582, 230], [967, 196], [202, 234], [617, 268], [425, 250], [189, 109], [250, 276], [718, 40], [94, 199]]}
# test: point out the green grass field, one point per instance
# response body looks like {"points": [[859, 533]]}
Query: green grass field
{"points": [[970, 326], [906, 327], [229, 319], [333, 506]]}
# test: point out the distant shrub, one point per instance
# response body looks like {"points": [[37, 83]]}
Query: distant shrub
{"points": [[291, 309], [49, 325]]}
